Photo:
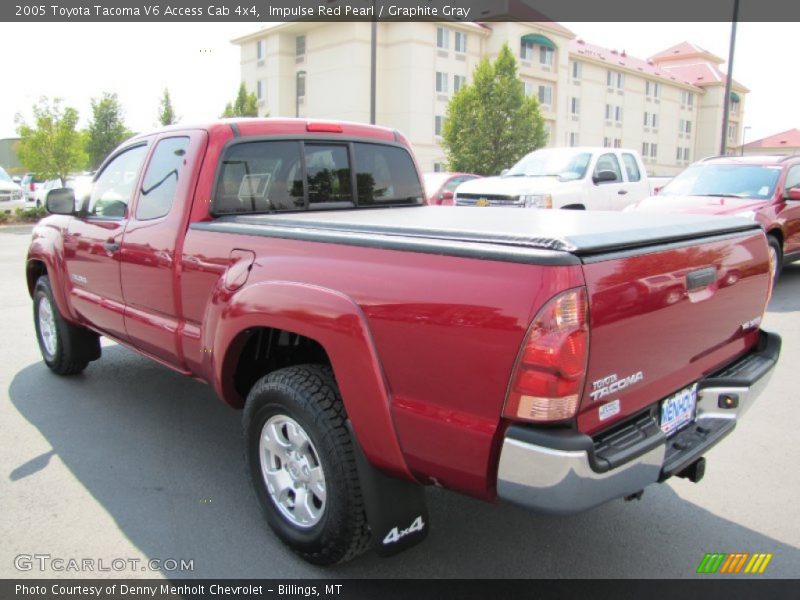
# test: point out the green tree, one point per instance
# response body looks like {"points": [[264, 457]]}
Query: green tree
{"points": [[245, 105], [491, 124], [52, 146], [106, 130], [166, 114]]}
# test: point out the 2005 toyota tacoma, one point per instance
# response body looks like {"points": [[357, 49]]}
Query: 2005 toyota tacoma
{"points": [[555, 360]]}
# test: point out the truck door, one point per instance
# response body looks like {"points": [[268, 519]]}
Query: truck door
{"points": [[149, 271], [610, 193], [790, 213], [637, 188], [92, 242]]}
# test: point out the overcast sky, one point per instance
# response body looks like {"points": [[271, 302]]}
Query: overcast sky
{"points": [[199, 65]]}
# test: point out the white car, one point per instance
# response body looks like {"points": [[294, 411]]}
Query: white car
{"points": [[11, 194], [583, 178]]}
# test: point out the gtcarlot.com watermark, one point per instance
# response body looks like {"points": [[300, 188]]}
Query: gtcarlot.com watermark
{"points": [[48, 563]]}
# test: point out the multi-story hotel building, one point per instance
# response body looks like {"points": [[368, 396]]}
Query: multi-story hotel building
{"points": [[669, 107]]}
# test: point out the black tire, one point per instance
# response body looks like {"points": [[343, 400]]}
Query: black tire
{"points": [[309, 396], [71, 348], [775, 246]]}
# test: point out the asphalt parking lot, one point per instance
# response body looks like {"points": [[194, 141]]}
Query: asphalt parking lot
{"points": [[132, 461]]}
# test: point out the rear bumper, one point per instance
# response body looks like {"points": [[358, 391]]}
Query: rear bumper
{"points": [[565, 472]]}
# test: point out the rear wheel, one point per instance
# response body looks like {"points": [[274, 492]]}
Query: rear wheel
{"points": [[775, 258], [66, 349], [301, 463]]}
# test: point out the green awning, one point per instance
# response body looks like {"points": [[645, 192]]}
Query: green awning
{"points": [[538, 38], [735, 97]]}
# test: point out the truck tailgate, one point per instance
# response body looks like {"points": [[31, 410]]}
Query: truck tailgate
{"points": [[661, 318]]}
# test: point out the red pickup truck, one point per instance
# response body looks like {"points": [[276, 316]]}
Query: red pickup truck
{"points": [[376, 345]]}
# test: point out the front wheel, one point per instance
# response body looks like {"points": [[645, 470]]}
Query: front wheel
{"points": [[301, 463], [67, 349]]}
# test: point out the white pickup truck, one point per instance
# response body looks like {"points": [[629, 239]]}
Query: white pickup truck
{"points": [[582, 178]]}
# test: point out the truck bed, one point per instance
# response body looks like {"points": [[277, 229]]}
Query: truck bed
{"points": [[579, 233]]}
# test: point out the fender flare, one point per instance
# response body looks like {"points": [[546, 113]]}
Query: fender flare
{"points": [[339, 325]]}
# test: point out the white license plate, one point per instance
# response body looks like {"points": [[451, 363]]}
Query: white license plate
{"points": [[678, 409]]}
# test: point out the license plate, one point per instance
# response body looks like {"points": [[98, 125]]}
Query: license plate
{"points": [[678, 409]]}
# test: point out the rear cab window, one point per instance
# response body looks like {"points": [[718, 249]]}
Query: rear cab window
{"points": [[263, 176]]}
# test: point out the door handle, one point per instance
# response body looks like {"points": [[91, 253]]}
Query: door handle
{"points": [[622, 192], [111, 246]]}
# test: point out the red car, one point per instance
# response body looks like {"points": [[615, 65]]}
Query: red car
{"points": [[439, 187], [765, 189]]}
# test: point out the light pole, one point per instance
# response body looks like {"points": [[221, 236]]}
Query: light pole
{"points": [[726, 105], [744, 135]]}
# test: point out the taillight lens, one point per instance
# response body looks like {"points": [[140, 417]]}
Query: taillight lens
{"points": [[551, 368]]}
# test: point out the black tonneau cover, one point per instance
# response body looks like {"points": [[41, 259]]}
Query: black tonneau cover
{"points": [[546, 232]]}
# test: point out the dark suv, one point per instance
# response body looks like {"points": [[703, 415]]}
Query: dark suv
{"points": [[765, 189]]}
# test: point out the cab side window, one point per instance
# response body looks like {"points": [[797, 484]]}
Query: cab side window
{"points": [[161, 178], [609, 162], [792, 178], [631, 167], [113, 189]]}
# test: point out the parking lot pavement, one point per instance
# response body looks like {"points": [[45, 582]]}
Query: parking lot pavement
{"points": [[132, 461]]}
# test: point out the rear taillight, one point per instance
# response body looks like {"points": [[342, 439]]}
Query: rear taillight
{"points": [[551, 368], [31, 187]]}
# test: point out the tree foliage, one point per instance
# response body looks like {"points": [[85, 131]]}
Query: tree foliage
{"points": [[166, 113], [106, 129], [52, 146], [491, 124], [245, 105]]}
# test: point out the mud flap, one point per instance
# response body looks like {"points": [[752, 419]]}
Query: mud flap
{"points": [[396, 509]]}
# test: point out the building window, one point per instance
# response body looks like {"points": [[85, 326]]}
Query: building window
{"points": [[734, 106], [528, 88], [645, 149], [687, 98], [679, 154], [688, 128], [438, 167], [575, 106], [261, 49], [545, 95], [300, 45], [261, 91], [441, 82], [652, 89], [459, 81], [615, 79], [732, 131], [577, 69], [653, 150], [442, 38], [651, 120], [606, 142], [686, 154], [438, 123], [573, 138], [545, 56], [461, 42], [613, 113], [617, 142], [525, 50], [684, 126]]}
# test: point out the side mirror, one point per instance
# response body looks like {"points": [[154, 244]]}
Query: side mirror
{"points": [[504, 172], [60, 201], [793, 193], [604, 177], [446, 197]]}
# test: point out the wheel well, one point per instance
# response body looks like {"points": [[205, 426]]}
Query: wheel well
{"points": [[778, 235], [258, 351], [573, 207], [34, 270]]}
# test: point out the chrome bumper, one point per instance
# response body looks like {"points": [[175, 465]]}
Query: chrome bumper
{"points": [[559, 472]]}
